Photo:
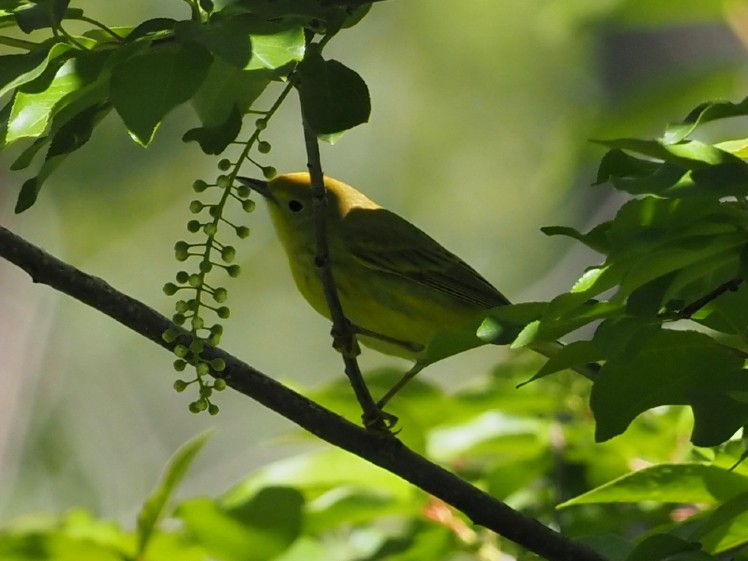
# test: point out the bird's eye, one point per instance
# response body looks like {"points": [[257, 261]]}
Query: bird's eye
{"points": [[295, 206]]}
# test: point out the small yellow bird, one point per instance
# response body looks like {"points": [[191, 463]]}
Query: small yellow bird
{"points": [[399, 288]]}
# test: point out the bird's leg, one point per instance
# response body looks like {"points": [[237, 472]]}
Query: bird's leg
{"points": [[346, 343], [407, 377]]}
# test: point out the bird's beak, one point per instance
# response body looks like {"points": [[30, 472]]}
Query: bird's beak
{"points": [[259, 186]]}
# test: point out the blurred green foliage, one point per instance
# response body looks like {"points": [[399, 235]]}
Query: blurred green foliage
{"points": [[494, 100]]}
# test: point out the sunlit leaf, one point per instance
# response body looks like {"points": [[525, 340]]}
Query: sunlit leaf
{"points": [[672, 483], [154, 505]]}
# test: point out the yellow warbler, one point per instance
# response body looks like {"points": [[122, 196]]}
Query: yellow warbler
{"points": [[398, 287]]}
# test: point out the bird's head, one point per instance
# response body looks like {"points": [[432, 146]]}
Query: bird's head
{"points": [[290, 199]]}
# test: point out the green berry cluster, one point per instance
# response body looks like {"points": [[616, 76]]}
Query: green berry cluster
{"points": [[192, 333], [203, 297]]}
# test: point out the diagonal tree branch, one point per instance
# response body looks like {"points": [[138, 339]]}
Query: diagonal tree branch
{"points": [[384, 451]]}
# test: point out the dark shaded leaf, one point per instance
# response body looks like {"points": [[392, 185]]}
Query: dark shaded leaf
{"points": [[214, 140], [333, 97], [656, 367], [145, 88], [45, 14]]}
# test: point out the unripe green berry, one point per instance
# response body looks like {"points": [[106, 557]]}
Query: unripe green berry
{"points": [[170, 289], [192, 304], [214, 339], [182, 277], [220, 294], [210, 229], [198, 406], [243, 191], [228, 253], [181, 351], [219, 365], [199, 186], [269, 172], [223, 312], [263, 147], [224, 164], [206, 391], [197, 323], [223, 181], [213, 409], [242, 232], [196, 206], [179, 365], [180, 385], [179, 319], [206, 266], [261, 124], [196, 345], [214, 211], [181, 250], [193, 226], [206, 5], [217, 328], [233, 270], [248, 205], [170, 335], [195, 280], [202, 369]]}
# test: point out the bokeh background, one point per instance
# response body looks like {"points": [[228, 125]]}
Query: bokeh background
{"points": [[480, 133]]}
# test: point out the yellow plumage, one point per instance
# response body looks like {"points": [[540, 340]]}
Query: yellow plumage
{"points": [[397, 285]]}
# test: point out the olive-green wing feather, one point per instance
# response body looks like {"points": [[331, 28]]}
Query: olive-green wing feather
{"points": [[383, 241]]}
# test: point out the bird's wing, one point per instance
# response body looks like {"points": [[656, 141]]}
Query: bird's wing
{"points": [[382, 240]]}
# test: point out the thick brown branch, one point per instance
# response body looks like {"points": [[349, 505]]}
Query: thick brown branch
{"points": [[386, 452]]}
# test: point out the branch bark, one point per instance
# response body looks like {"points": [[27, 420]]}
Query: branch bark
{"points": [[384, 451]]}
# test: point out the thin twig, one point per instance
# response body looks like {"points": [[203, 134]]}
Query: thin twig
{"points": [[687, 311], [388, 453], [342, 330]]}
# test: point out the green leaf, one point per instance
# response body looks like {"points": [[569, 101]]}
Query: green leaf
{"points": [[225, 38], [704, 113], [145, 88], [728, 313], [334, 98], [311, 473], [32, 111], [665, 367], [19, 69], [501, 325], [348, 506], [596, 238], [449, 342], [225, 89], [154, 505], [70, 136], [274, 46], [45, 14], [214, 140], [668, 483], [617, 163], [690, 155], [568, 356], [666, 546], [726, 527], [654, 264], [258, 530]]}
